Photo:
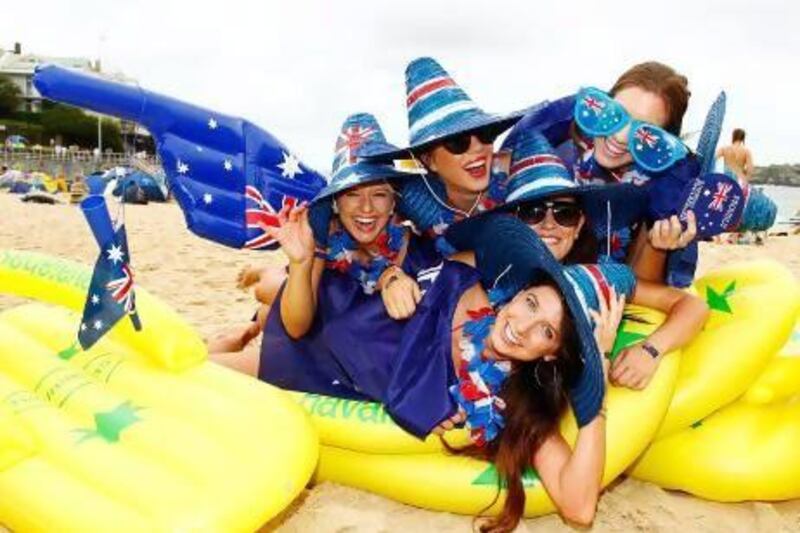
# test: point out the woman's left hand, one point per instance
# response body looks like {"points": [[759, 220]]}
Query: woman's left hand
{"points": [[633, 368], [449, 423], [668, 234], [400, 293]]}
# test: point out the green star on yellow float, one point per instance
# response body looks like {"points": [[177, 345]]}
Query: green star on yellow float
{"points": [[489, 477], [718, 301], [623, 340], [109, 424]]}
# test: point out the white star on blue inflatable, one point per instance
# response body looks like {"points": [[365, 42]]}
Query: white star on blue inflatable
{"points": [[207, 198], [98, 325], [115, 254], [95, 299], [290, 166], [183, 168], [212, 124], [228, 165]]}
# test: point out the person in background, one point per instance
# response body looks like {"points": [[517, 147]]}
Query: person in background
{"points": [[737, 158]]}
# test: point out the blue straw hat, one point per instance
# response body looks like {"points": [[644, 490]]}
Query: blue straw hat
{"points": [[536, 173], [359, 131], [438, 108], [510, 256]]}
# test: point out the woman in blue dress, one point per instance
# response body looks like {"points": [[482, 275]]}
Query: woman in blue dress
{"points": [[365, 274]]}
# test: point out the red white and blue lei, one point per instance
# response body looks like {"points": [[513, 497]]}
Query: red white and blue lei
{"points": [[480, 379], [341, 255]]}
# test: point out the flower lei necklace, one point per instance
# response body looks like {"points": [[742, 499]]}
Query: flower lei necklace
{"points": [[342, 248], [480, 379]]}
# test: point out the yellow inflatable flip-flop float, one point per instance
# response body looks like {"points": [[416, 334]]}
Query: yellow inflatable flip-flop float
{"points": [[138, 433], [745, 451], [362, 447]]}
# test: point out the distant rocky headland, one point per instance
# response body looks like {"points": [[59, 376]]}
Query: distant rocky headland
{"points": [[788, 175]]}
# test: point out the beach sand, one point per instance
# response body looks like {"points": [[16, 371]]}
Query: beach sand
{"points": [[197, 278]]}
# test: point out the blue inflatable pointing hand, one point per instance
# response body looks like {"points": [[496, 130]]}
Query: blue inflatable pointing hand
{"points": [[229, 176]]}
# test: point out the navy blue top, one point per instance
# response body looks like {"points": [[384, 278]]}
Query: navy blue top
{"points": [[352, 340]]}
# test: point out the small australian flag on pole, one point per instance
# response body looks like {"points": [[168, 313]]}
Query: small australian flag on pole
{"points": [[111, 294]]}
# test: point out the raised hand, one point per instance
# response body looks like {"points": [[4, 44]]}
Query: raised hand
{"points": [[227, 174], [606, 322], [668, 234], [293, 234]]}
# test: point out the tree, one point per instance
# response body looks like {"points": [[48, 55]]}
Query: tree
{"points": [[10, 96], [76, 127]]}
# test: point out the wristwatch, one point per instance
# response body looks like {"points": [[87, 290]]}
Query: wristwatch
{"points": [[652, 350]]}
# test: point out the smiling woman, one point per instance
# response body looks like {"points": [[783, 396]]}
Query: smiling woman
{"points": [[453, 139]]}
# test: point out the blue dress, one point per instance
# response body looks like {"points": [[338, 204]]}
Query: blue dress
{"points": [[363, 354], [348, 350]]}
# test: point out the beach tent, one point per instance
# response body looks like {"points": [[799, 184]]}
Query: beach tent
{"points": [[96, 182], [153, 188]]}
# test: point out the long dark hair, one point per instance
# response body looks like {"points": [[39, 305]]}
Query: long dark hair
{"points": [[585, 249], [535, 394]]}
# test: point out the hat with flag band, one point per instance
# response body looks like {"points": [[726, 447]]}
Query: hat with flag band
{"points": [[437, 109], [510, 257], [537, 173], [349, 170]]}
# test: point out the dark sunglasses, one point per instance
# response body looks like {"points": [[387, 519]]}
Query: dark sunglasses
{"points": [[460, 143], [565, 214]]}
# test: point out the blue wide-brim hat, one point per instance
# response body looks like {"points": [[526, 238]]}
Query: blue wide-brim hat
{"points": [[537, 173], [510, 256], [438, 108], [359, 131]]}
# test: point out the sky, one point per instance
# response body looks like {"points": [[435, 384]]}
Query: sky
{"points": [[298, 68]]}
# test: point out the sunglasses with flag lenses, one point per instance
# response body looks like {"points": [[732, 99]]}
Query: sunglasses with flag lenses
{"points": [[565, 214], [459, 144], [653, 148]]}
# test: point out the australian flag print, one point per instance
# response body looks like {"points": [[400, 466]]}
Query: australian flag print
{"points": [[229, 176], [110, 295]]}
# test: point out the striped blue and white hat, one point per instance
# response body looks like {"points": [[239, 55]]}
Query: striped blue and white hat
{"points": [[592, 282], [536, 173], [438, 108], [359, 131]]}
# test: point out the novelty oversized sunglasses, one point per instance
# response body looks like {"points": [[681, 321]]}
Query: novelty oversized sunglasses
{"points": [[653, 148]]}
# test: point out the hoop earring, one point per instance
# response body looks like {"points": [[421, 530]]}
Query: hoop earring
{"points": [[334, 207], [554, 378]]}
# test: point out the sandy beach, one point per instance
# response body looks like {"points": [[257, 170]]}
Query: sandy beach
{"points": [[197, 278]]}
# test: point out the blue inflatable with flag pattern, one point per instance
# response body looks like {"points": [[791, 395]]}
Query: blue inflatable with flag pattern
{"points": [[228, 175]]}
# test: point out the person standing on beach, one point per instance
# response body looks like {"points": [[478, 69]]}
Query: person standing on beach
{"points": [[739, 166], [738, 158]]}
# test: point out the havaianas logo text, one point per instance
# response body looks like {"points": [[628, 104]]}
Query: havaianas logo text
{"points": [[47, 268], [329, 407]]}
